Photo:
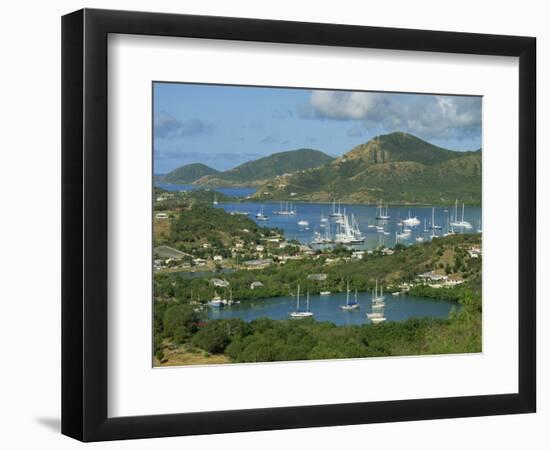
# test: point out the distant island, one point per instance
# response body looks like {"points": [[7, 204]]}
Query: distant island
{"points": [[398, 168], [250, 173]]}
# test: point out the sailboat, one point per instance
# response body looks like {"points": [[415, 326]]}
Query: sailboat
{"points": [[355, 228], [349, 306], [405, 233], [378, 297], [217, 301], [261, 216], [434, 226], [411, 221], [347, 232], [335, 213], [323, 221], [378, 318], [303, 223], [382, 214], [462, 223], [450, 229], [286, 211], [301, 314], [378, 304], [215, 202]]}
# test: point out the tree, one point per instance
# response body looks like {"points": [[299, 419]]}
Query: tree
{"points": [[180, 321]]}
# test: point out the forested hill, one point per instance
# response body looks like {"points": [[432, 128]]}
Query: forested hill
{"points": [[395, 168], [251, 172], [188, 174]]}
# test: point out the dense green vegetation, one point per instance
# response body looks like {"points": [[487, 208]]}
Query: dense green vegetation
{"points": [[271, 340], [188, 174], [251, 172], [179, 319], [397, 168], [175, 201], [282, 280]]}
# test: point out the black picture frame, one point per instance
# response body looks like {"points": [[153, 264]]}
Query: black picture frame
{"points": [[84, 224]]}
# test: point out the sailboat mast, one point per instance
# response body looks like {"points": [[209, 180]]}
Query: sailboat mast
{"points": [[298, 299], [307, 301]]}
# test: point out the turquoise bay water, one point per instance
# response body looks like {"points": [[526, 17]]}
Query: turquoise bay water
{"points": [[365, 216], [327, 308]]}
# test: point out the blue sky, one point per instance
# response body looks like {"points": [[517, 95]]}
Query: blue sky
{"points": [[224, 126]]}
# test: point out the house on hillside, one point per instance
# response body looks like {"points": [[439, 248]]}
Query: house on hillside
{"points": [[317, 276], [256, 285], [217, 282], [258, 263]]}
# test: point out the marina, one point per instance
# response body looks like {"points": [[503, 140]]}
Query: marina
{"points": [[327, 224]]}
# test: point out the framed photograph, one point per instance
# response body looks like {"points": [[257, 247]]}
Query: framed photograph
{"points": [[273, 224]]}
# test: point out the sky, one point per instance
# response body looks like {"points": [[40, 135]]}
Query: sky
{"points": [[224, 126]]}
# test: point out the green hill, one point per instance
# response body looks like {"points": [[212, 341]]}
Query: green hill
{"points": [[396, 168], [188, 174], [252, 172]]}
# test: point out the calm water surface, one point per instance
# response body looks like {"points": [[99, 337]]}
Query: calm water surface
{"points": [[327, 308], [235, 192], [365, 216]]}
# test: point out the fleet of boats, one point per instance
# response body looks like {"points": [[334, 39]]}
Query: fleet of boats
{"points": [[341, 227], [287, 210]]}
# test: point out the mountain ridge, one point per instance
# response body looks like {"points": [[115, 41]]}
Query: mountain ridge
{"points": [[396, 168], [252, 173]]}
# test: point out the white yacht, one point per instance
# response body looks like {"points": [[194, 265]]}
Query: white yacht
{"points": [[337, 214], [434, 226], [462, 223], [261, 216], [217, 301], [378, 319], [350, 306], [411, 221], [348, 232], [382, 213], [301, 314], [286, 211]]}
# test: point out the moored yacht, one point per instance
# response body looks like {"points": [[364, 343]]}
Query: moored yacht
{"points": [[261, 216], [460, 223], [382, 213], [301, 314], [411, 221], [349, 306]]}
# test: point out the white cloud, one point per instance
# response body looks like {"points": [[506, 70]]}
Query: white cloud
{"points": [[168, 127], [431, 116]]}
